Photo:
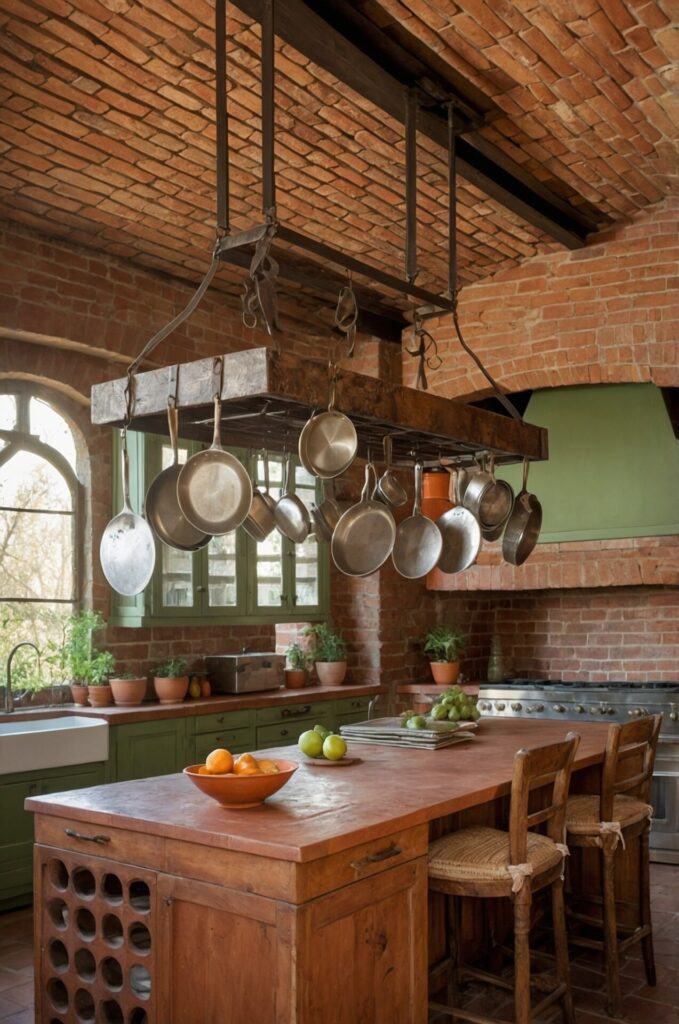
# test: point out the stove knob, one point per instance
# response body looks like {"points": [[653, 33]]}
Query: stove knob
{"points": [[539, 707], [579, 708], [530, 708], [595, 710], [516, 706], [673, 716], [485, 705], [611, 711], [634, 712], [500, 705], [559, 707]]}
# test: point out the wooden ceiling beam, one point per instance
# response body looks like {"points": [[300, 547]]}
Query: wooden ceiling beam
{"points": [[493, 173]]}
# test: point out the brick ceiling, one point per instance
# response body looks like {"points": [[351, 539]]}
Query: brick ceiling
{"points": [[107, 111]]}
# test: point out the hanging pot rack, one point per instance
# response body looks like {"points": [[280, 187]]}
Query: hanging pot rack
{"points": [[267, 397]]}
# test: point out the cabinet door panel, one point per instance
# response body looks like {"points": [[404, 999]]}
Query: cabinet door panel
{"points": [[145, 749], [233, 978], [283, 735], [237, 741]]}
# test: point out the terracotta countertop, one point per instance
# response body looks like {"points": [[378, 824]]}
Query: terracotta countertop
{"points": [[322, 810], [189, 708]]}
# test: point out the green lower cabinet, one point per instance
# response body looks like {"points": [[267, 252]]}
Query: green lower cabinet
{"points": [[144, 749], [282, 726], [352, 709], [16, 837], [235, 731]]}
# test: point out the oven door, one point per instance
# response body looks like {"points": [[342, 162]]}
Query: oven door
{"points": [[664, 838]]}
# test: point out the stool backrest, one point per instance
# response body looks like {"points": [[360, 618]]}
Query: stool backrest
{"points": [[540, 766], [629, 760]]}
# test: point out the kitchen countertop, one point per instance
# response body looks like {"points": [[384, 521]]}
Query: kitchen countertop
{"points": [[322, 811], [190, 708]]}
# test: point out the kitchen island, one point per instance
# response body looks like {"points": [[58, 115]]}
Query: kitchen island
{"points": [[155, 904]]}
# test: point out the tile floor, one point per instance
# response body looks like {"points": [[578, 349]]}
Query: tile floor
{"points": [[643, 1005]]}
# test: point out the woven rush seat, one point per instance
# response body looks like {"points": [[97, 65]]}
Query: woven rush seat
{"points": [[482, 855], [582, 813]]}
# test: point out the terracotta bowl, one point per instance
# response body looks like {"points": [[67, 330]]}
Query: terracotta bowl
{"points": [[241, 790]]}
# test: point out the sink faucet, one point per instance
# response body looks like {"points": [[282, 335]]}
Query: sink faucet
{"points": [[9, 699]]}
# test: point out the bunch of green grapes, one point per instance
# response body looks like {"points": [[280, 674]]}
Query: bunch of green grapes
{"points": [[456, 706]]}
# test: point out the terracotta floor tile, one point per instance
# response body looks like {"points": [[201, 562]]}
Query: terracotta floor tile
{"points": [[22, 1017], [22, 993], [9, 1005]]}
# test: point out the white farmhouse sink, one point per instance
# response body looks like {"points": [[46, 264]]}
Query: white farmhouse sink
{"points": [[51, 743]]}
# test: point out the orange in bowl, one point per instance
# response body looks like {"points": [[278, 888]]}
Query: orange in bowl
{"points": [[241, 790]]}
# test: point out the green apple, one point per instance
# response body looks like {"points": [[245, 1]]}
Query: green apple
{"points": [[334, 748], [322, 731], [310, 743]]}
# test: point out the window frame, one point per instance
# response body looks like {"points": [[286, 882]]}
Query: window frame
{"points": [[146, 609]]}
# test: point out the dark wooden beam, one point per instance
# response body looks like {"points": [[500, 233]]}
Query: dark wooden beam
{"points": [[298, 24]]}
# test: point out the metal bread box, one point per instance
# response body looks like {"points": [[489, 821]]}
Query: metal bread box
{"points": [[245, 673]]}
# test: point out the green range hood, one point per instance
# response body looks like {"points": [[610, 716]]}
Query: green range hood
{"points": [[613, 468]]}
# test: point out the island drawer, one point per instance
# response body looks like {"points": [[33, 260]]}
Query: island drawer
{"points": [[237, 741], [224, 720], [320, 711], [93, 840]]}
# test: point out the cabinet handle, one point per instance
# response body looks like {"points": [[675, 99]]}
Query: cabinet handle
{"points": [[220, 720], [375, 858], [289, 713], [88, 839]]}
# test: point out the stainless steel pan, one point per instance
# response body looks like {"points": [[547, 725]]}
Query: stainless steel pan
{"points": [[127, 550], [214, 491], [328, 441], [418, 542], [291, 515], [326, 515], [523, 526], [490, 500], [389, 488], [162, 508], [364, 536], [260, 520], [461, 535]]}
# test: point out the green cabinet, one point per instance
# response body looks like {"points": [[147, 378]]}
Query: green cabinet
{"points": [[16, 837], [144, 749], [352, 709], [281, 726], [233, 730]]}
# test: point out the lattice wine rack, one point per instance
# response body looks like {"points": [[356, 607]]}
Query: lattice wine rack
{"points": [[97, 941]]}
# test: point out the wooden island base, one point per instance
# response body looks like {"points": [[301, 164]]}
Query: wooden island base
{"points": [[154, 904]]}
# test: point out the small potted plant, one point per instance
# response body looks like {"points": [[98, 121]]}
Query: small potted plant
{"points": [[297, 659], [328, 653], [170, 680], [77, 660], [444, 645], [128, 688]]}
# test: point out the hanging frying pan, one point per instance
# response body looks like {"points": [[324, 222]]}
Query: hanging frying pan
{"points": [[461, 535], [418, 540], [326, 515], [162, 505], [214, 491], [260, 521], [523, 526], [328, 441], [127, 550], [389, 488], [290, 515], [364, 536]]}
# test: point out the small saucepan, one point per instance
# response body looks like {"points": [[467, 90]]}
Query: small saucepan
{"points": [[524, 524], [389, 488], [326, 515], [260, 520], [290, 515]]}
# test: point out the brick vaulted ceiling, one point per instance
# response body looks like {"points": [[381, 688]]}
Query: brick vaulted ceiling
{"points": [[107, 126]]}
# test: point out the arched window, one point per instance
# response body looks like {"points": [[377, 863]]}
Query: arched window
{"points": [[40, 520]]}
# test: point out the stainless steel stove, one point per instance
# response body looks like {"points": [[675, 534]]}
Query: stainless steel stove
{"points": [[612, 702]]}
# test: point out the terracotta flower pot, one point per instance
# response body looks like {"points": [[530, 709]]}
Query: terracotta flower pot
{"points": [[295, 678], [79, 694], [170, 689], [128, 692], [445, 673], [331, 673], [99, 696]]}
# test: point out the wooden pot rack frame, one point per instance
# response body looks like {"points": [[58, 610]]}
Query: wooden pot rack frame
{"points": [[267, 397]]}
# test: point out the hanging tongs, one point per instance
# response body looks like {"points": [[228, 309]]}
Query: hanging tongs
{"points": [[426, 351], [346, 314]]}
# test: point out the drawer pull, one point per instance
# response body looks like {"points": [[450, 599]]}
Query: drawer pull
{"points": [[375, 858], [88, 839], [289, 713], [221, 719]]}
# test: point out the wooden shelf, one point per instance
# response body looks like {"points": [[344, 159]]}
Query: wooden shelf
{"points": [[268, 396]]}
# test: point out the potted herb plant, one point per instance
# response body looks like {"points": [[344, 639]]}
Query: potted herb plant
{"points": [[329, 654], [297, 659], [128, 688], [444, 645], [76, 659], [170, 680]]}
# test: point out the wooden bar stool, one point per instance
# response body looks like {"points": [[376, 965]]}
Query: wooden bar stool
{"points": [[488, 863], [608, 821]]}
